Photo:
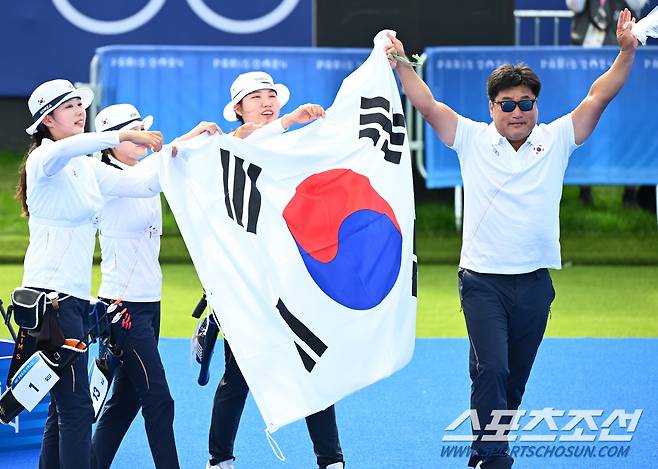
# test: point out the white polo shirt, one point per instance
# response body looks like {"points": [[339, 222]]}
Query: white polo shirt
{"points": [[65, 192], [129, 235], [512, 198]]}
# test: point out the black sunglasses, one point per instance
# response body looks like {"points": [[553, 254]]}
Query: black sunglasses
{"points": [[509, 105]]}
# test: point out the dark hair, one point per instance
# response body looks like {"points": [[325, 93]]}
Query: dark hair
{"points": [[508, 76], [21, 188]]}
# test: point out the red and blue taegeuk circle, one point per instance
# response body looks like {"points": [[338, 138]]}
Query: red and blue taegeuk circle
{"points": [[348, 237]]}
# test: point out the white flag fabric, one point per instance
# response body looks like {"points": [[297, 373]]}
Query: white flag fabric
{"points": [[646, 27], [304, 243]]}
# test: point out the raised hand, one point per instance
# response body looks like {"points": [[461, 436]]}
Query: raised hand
{"points": [[627, 41], [246, 130], [203, 126], [303, 114], [147, 138], [396, 47]]}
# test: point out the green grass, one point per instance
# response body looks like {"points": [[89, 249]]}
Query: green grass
{"points": [[607, 292], [597, 301], [11, 222], [605, 234], [577, 249], [179, 296], [605, 218]]}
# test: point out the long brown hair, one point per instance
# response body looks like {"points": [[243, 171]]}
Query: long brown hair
{"points": [[21, 188]]}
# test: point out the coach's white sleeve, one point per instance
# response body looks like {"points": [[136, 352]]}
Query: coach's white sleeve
{"points": [[564, 136], [466, 128]]}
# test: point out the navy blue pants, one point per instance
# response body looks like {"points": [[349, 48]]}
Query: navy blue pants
{"points": [[227, 409], [506, 318], [67, 434], [139, 382]]}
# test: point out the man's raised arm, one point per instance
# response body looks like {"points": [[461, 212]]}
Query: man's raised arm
{"points": [[441, 117], [605, 88]]}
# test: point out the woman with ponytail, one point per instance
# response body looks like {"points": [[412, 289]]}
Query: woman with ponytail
{"points": [[61, 191], [129, 234], [21, 195]]}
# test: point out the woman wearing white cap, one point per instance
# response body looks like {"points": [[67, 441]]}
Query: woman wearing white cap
{"points": [[129, 234], [256, 101], [62, 190]]}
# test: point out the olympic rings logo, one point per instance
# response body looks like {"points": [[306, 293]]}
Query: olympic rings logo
{"points": [[205, 13]]}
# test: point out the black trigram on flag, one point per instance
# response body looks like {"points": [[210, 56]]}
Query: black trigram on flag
{"points": [[238, 185], [384, 127], [305, 335]]}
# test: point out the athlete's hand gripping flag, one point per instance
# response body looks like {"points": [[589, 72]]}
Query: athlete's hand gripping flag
{"points": [[304, 244]]}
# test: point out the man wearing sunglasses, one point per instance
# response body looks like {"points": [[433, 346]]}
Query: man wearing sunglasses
{"points": [[513, 172]]}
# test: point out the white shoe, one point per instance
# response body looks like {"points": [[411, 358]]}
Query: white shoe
{"points": [[336, 465], [222, 465]]}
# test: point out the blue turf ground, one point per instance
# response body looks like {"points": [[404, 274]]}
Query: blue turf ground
{"points": [[400, 421]]}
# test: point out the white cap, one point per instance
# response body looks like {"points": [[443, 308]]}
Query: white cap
{"points": [[250, 82], [121, 117], [47, 96]]}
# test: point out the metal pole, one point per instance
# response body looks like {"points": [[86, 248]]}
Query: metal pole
{"points": [[314, 23], [96, 87], [415, 132], [459, 207], [543, 13], [420, 144], [537, 29], [556, 15], [7, 321]]}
